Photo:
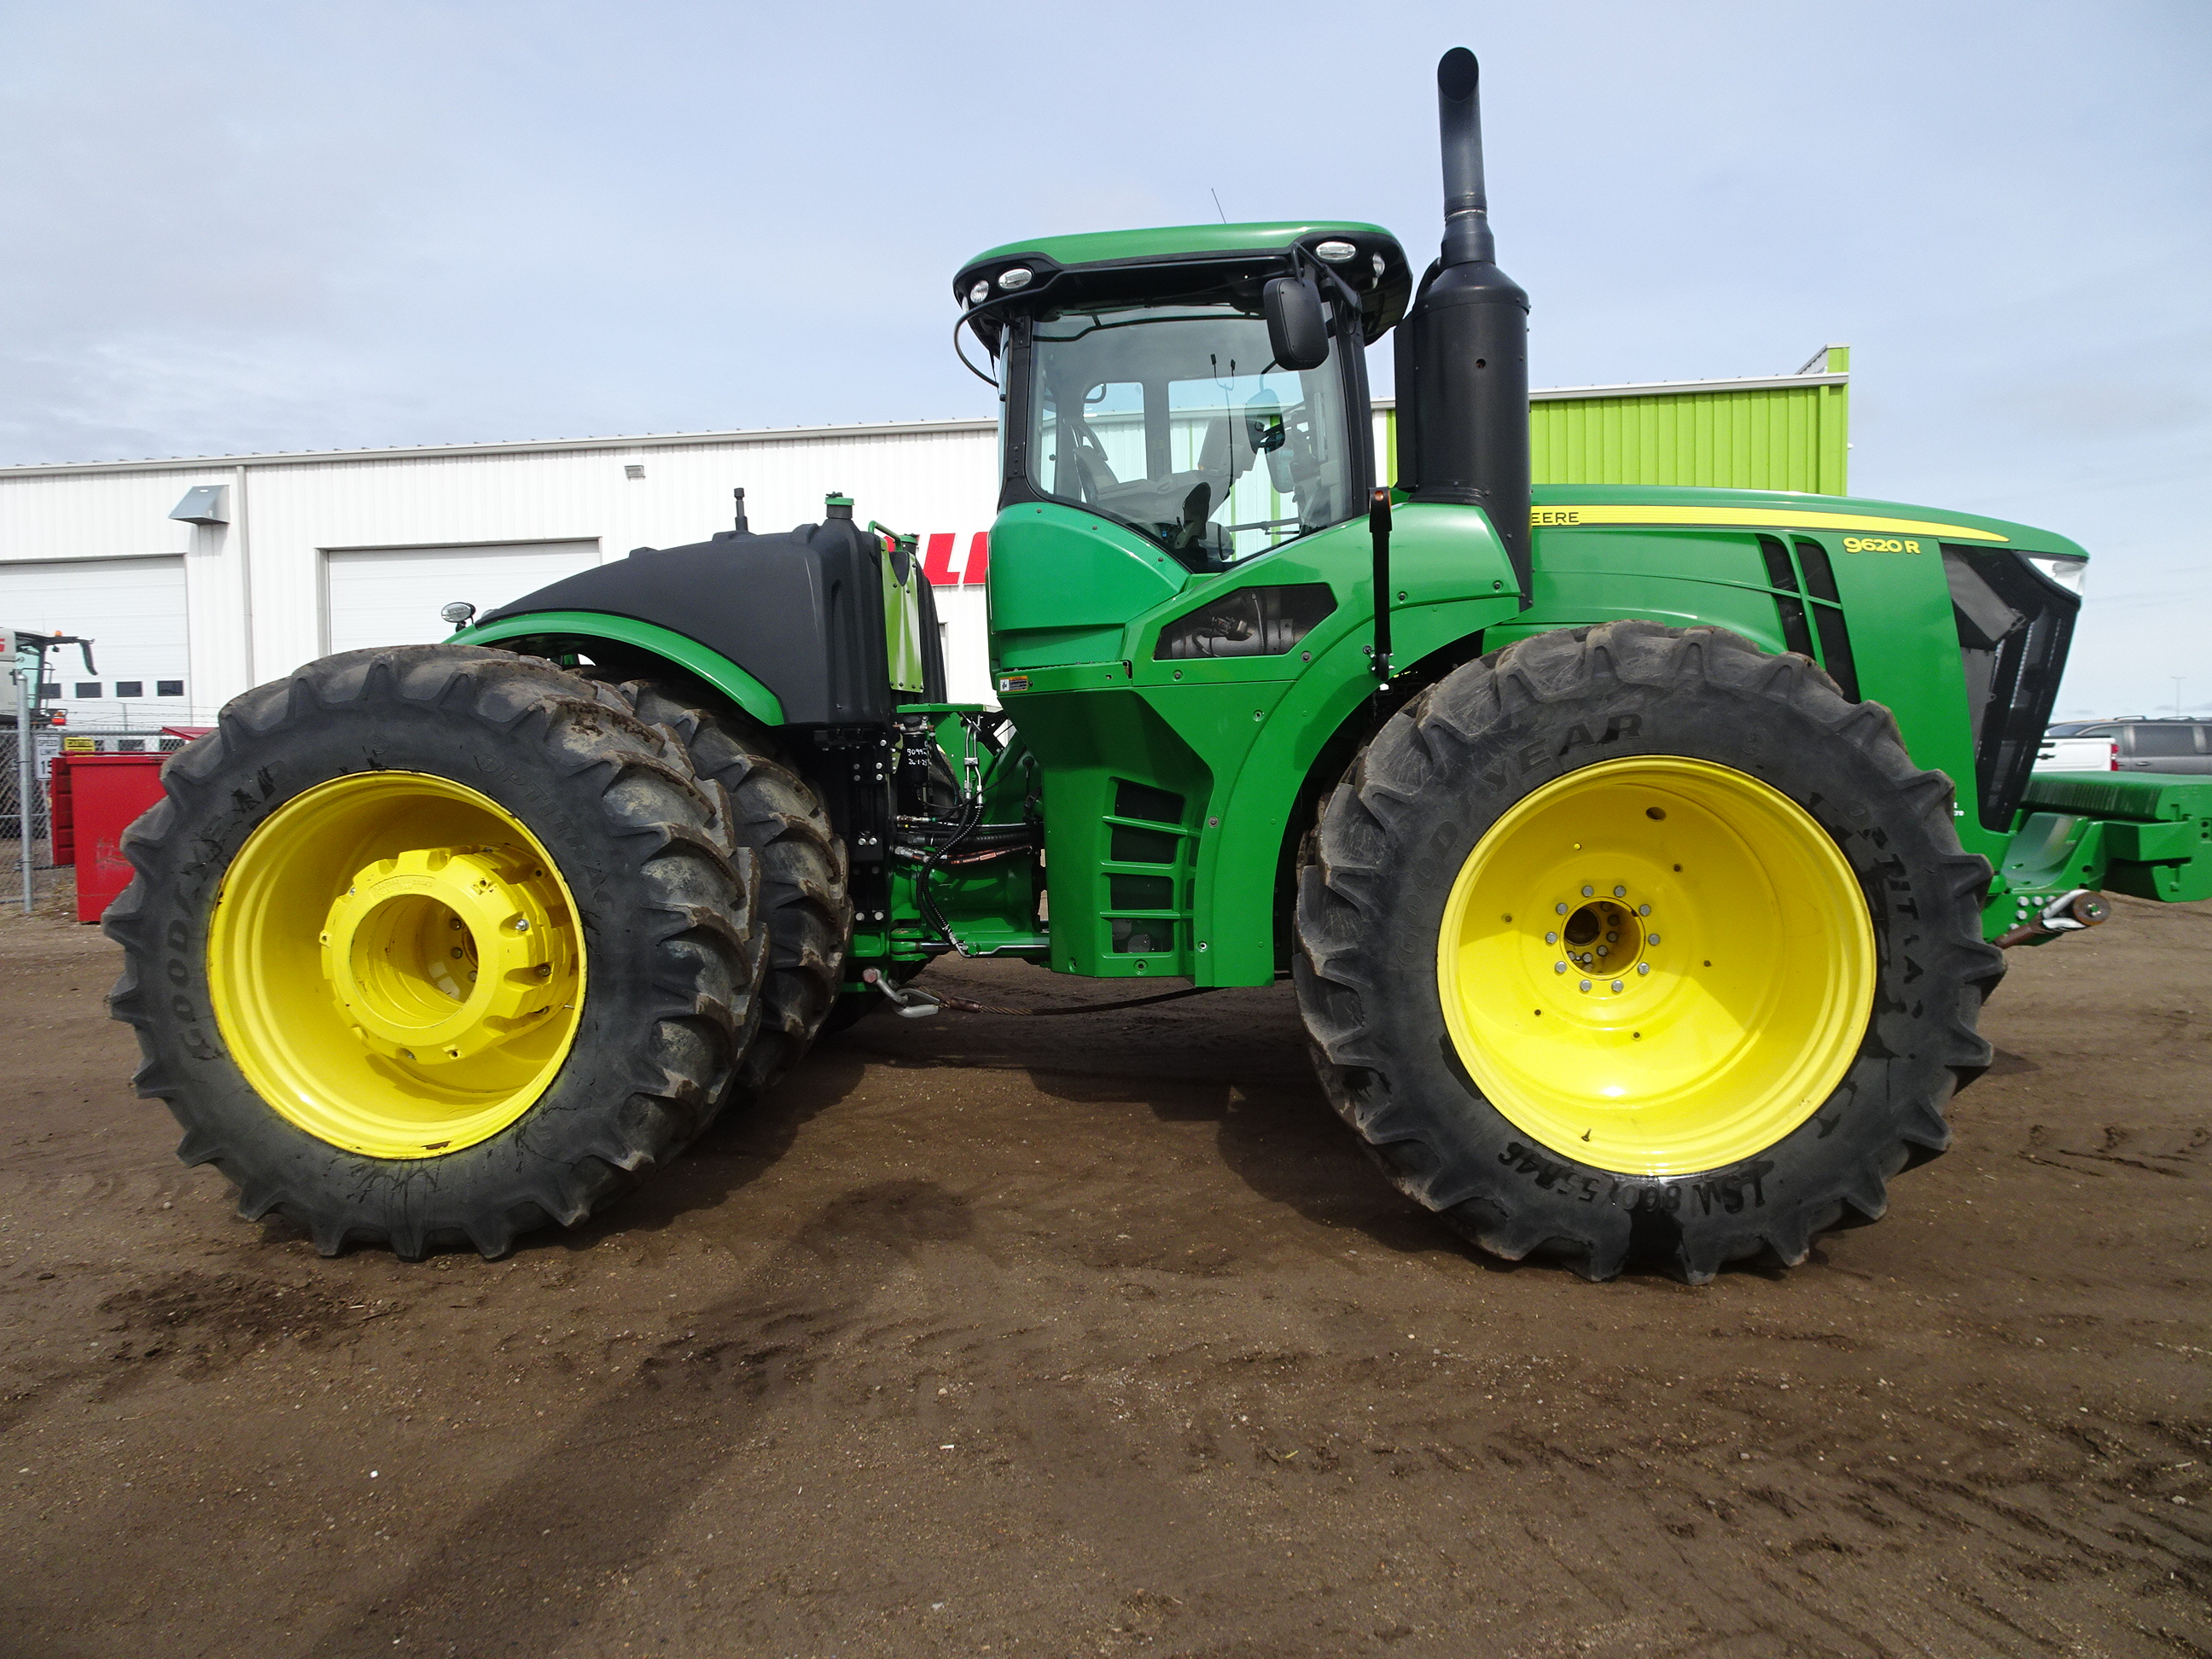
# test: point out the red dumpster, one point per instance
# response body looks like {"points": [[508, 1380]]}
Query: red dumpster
{"points": [[95, 797]]}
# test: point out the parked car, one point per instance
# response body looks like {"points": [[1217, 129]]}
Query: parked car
{"points": [[2075, 754], [2147, 746]]}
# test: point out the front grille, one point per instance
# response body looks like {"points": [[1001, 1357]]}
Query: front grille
{"points": [[2014, 628]]}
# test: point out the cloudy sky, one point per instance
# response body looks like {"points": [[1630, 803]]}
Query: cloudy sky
{"points": [[243, 227]]}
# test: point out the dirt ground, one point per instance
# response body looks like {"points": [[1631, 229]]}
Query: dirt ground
{"points": [[1099, 1335]]}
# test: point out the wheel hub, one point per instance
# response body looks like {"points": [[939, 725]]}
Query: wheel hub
{"points": [[1601, 942], [440, 953]]}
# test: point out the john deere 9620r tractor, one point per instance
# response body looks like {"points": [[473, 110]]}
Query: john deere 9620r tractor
{"points": [[1641, 855]]}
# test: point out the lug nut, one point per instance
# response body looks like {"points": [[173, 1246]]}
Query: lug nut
{"points": [[1551, 938], [1643, 967], [1620, 892], [1618, 987], [1559, 909], [1654, 938], [1642, 909], [1587, 891], [1585, 985], [1559, 967]]}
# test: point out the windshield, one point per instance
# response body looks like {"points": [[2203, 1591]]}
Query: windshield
{"points": [[1175, 420]]}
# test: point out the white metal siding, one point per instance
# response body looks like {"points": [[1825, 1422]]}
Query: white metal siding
{"points": [[287, 579], [393, 595], [132, 610]]}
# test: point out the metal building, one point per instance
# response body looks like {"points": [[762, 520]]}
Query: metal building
{"points": [[199, 578]]}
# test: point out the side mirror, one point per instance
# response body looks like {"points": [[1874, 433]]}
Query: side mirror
{"points": [[1298, 327]]}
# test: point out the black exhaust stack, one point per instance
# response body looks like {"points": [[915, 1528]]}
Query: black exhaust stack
{"points": [[1463, 350]]}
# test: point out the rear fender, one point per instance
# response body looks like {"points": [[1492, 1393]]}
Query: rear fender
{"points": [[562, 632]]}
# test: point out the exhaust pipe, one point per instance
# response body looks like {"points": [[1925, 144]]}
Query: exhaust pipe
{"points": [[1468, 239], [1463, 350]]}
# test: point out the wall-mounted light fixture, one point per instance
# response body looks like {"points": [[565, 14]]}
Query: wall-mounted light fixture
{"points": [[205, 504]]}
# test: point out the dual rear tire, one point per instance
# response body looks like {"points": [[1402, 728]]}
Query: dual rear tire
{"points": [[434, 945]]}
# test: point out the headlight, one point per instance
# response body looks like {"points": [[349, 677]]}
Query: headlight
{"points": [[978, 293], [2066, 572], [1017, 278], [1335, 252]]}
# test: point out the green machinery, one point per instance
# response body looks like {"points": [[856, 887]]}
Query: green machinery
{"points": [[1642, 856]]}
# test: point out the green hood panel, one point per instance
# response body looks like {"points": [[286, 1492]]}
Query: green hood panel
{"points": [[1566, 506]]}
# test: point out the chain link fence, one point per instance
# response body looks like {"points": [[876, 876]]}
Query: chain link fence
{"points": [[48, 884]]}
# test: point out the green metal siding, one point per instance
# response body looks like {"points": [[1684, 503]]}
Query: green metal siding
{"points": [[1767, 437]]}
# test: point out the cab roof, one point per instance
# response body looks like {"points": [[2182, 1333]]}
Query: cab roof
{"points": [[1161, 261]]}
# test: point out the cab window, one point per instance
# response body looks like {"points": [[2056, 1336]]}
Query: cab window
{"points": [[1176, 420]]}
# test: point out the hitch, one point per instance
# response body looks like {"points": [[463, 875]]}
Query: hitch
{"points": [[2069, 913], [911, 1005]]}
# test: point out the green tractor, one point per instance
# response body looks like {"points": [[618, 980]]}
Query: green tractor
{"points": [[1641, 856]]}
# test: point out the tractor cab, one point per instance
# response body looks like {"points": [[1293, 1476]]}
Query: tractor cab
{"points": [[1198, 387]]}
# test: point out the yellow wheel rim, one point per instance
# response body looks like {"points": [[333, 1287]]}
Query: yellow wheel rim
{"points": [[1656, 966], [396, 964]]}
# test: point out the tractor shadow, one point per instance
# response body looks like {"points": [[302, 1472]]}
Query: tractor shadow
{"points": [[532, 1561], [1235, 1059], [747, 1140]]}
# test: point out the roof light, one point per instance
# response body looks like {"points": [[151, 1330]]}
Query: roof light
{"points": [[2069, 574], [978, 293], [1335, 252], [1017, 277], [1379, 267]]}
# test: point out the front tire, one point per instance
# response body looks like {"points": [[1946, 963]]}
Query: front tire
{"points": [[1636, 944], [435, 945]]}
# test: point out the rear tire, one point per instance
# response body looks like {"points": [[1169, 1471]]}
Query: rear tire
{"points": [[805, 898], [381, 801], [1775, 1101]]}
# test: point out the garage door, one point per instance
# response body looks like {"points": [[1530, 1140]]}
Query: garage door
{"points": [[393, 595], [133, 611]]}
